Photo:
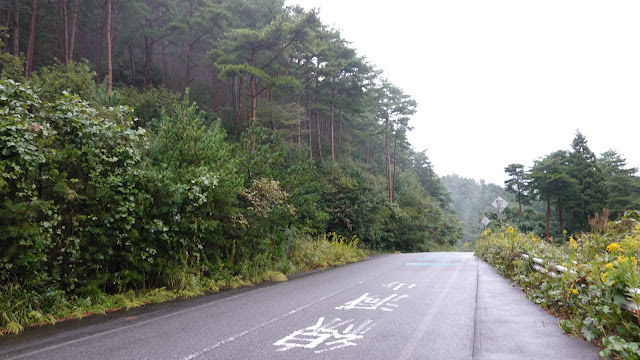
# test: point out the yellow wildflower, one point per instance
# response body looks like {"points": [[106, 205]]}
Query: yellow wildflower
{"points": [[604, 278], [609, 266], [613, 247], [611, 283], [572, 243], [635, 262], [574, 290], [622, 258]]}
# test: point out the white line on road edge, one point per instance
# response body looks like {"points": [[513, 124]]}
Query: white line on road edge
{"points": [[103, 333]]}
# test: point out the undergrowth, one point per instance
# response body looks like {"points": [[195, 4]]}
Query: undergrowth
{"points": [[20, 307], [601, 271]]}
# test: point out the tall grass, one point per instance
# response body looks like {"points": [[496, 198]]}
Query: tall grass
{"points": [[20, 308]]}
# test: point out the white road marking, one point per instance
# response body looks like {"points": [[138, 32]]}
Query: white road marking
{"points": [[367, 302], [398, 285], [319, 334], [235, 337]]}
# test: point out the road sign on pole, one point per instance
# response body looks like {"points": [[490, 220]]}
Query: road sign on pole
{"points": [[500, 203], [485, 222]]}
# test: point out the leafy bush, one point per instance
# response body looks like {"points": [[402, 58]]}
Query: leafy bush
{"points": [[67, 186], [75, 78], [601, 268], [148, 105], [11, 67]]}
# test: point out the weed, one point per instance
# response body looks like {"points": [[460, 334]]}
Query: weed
{"points": [[601, 268]]}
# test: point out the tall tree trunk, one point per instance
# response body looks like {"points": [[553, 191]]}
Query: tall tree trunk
{"points": [[388, 160], [32, 39], [340, 128], [163, 65], [333, 96], [240, 107], [217, 101], [72, 40], [147, 72], [393, 183], [298, 103], [308, 110], [547, 215], [252, 89], [227, 94], [51, 38], [81, 40], [109, 47], [519, 202], [65, 31], [319, 143], [132, 63], [16, 28], [560, 227], [188, 80], [99, 56], [253, 97]]}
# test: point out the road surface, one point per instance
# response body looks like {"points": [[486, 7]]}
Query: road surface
{"points": [[401, 306]]}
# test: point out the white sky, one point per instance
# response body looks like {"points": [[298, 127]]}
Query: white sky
{"points": [[504, 81]]}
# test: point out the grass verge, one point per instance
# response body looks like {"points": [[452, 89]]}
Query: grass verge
{"points": [[601, 270]]}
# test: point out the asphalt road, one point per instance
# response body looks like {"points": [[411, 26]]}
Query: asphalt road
{"points": [[405, 306]]}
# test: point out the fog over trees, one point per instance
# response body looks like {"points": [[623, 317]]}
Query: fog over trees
{"points": [[156, 143]]}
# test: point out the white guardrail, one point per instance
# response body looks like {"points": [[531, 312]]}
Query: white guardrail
{"points": [[537, 265]]}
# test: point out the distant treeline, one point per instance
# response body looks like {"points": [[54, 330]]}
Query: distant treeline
{"points": [[563, 193], [576, 188]]}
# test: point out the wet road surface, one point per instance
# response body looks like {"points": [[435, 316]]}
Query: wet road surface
{"points": [[401, 306]]}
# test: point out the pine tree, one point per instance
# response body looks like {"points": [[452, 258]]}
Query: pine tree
{"points": [[517, 184], [592, 191]]}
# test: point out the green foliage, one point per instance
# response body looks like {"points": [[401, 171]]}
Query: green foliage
{"points": [[572, 187], [592, 191], [101, 201], [11, 67], [600, 270], [75, 78], [302, 181], [354, 201], [148, 105], [65, 168], [623, 185], [308, 252]]}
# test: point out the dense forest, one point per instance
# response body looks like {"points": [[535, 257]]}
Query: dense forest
{"points": [[155, 143]]}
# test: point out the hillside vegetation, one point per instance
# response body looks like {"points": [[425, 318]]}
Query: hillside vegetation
{"points": [[293, 155]]}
